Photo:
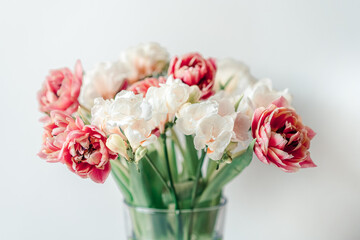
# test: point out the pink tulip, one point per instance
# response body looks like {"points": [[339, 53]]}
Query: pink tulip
{"points": [[281, 137], [193, 69], [56, 128], [85, 152], [61, 90], [143, 85], [81, 147]]}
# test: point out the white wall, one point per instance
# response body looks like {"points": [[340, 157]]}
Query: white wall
{"points": [[312, 47]]}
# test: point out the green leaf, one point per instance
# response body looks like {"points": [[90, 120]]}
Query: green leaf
{"points": [[211, 167], [172, 162], [191, 159], [122, 182], [222, 87], [183, 191], [238, 102], [145, 184], [226, 173]]}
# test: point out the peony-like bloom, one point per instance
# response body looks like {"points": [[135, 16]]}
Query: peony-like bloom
{"points": [[85, 153], [128, 107], [190, 115], [234, 74], [56, 129], [199, 119], [130, 112], [166, 100], [105, 80], [261, 94], [140, 133], [193, 69], [145, 60], [281, 137], [143, 85], [101, 114], [61, 90]]}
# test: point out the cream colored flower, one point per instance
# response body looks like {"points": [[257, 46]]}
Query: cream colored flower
{"points": [[129, 112], [105, 80], [215, 132], [144, 60], [100, 113], [190, 115], [237, 73], [140, 153], [128, 107], [117, 144], [261, 94], [167, 99], [226, 103], [139, 133]]}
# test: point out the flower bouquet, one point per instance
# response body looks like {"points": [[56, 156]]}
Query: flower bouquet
{"points": [[172, 133]]}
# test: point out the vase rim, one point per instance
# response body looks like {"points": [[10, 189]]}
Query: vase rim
{"points": [[223, 202]]}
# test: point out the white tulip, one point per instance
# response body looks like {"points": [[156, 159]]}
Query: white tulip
{"points": [[139, 133], [144, 60], [226, 103], [130, 112], [128, 107], [105, 81], [176, 94], [242, 125], [190, 115], [167, 99], [237, 73], [261, 94], [100, 113], [215, 132], [156, 98]]}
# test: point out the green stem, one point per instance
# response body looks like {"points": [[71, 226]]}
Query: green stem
{"points": [[193, 193], [122, 167], [177, 142], [177, 209], [173, 165]]}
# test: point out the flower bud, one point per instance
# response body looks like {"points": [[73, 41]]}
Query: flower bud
{"points": [[195, 94], [116, 144], [140, 153], [226, 159]]}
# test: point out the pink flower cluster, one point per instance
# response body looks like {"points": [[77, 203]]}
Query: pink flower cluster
{"points": [[81, 147], [67, 140]]}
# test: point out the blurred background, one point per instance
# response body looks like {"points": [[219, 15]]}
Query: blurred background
{"points": [[311, 47]]}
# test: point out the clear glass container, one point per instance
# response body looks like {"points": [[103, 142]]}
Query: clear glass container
{"points": [[162, 224]]}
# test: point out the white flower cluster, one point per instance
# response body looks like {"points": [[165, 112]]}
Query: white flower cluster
{"points": [[236, 79], [139, 117], [108, 78], [215, 123]]}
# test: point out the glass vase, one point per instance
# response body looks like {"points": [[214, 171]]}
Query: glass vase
{"points": [[206, 223]]}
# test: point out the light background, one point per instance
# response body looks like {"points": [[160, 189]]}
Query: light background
{"points": [[311, 47]]}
